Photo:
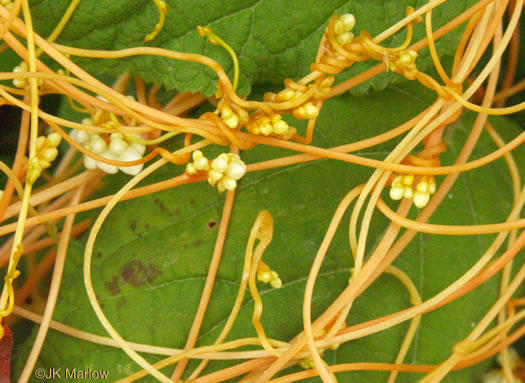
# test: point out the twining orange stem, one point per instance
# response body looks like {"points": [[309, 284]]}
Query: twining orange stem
{"points": [[32, 281], [154, 118], [208, 285], [380, 68]]}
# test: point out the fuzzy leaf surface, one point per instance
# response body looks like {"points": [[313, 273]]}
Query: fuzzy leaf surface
{"points": [[273, 39]]}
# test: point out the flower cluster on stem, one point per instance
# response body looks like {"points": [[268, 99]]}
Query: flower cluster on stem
{"points": [[223, 172], [46, 152], [114, 146], [267, 275], [402, 188]]}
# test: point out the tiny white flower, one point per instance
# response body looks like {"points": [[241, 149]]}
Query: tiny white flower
{"points": [[229, 183], [235, 170], [80, 136], [108, 168], [219, 164], [54, 139], [98, 145], [117, 146], [130, 154], [141, 149], [90, 163]]}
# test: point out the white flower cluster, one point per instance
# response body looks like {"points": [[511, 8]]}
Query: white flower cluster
{"points": [[496, 376], [119, 149], [199, 163], [223, 172], [20, 82], [402, 188], [343, 26]]}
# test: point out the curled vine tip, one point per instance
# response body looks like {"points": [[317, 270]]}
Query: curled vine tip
{"points": [[216, 40], [163, 10], [265, 222], [411, 10]]}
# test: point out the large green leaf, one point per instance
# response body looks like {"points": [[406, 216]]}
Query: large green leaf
{"points": [[274, 39], [153, 253]]}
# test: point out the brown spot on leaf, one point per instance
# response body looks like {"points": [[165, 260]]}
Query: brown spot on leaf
{"points": [[98, 254], [139, 274], [113, 286], [212, 224], [197, 243], [192, 201], [162, 207], [134, 225]]}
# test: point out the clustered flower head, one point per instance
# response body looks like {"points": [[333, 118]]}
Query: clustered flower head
{"points": [[496, 375], [274, 126], [7, 3], [307, 111], [199, 163], [231, 119], [342, 28], [46, 152], [307, 363], [223, 172], [402, 188], [22, 67], [267, 275], [117, 147], [403, 63], [20, 83]]}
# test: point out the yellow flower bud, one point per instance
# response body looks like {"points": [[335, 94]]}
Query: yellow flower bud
{"points": [[348, 21]]}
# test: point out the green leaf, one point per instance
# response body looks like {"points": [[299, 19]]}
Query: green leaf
{"points": [[273, 39], [153, 253]]}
